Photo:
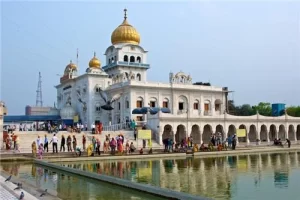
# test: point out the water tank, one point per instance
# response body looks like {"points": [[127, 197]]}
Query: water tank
{"points": [[278, 109]]}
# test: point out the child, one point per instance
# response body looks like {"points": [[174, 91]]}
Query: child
{"points": [[41, 150], [33, 147]]}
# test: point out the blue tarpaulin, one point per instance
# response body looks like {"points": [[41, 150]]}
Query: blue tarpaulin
{"points": [[30, 118]]}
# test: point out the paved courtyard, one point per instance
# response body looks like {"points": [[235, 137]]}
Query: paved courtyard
{"points": [[5, 194]]}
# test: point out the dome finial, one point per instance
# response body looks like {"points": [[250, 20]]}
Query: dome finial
{"points": [[94, 53], [125, 15]]}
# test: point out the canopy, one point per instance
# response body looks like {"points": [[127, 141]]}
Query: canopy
{"points": [[152, 110], [31, 118]]}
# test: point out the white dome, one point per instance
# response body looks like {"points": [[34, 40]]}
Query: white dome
{"points": [[67, 112]]}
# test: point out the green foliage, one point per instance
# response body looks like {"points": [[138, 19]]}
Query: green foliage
{"points": [[293, 111], [263, 108]]}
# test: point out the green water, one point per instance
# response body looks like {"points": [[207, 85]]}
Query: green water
{"points": [[70, 187], [253, 177]]}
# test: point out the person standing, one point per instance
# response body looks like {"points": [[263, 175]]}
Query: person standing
{"points": [[134, 131], [84, 142], [62, 143], [288, 142], [17, 141], [74, 143], [98, 146], [38, 141], [54, 143], [69, 141], [46, 143], [33, 147], [233, 142]]}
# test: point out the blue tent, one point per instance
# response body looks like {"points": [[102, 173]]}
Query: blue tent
{"points": [[151, 110], [137, 111], [31, 118]]}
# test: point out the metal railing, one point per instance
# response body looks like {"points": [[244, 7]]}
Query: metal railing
{"points": [[117, 127]]}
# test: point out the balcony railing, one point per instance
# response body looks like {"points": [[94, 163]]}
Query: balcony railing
{"points": [[207, 113], [116, 127], [131, 64]]}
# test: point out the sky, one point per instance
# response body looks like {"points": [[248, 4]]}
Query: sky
{"points": [[251, 47]]}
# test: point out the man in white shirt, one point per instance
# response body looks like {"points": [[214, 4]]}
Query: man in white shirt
{"points": [[54, 143]]}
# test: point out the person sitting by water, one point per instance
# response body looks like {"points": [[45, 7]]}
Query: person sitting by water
{"points": [[150, 151], [195, 148], [275, 141], [132, 148], [89, 150], [78, 149], [141, 151]]}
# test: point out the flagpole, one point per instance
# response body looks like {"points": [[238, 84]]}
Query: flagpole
{"points": [[77, 62]]}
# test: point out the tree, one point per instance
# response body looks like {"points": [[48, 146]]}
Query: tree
{"points": [[245, 110], [293, 111], [263, 108]]}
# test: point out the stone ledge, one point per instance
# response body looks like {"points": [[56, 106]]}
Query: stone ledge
{"points": [[162, 192]]}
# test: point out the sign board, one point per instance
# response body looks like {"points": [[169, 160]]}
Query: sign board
{"points": [[75, 119], [241, 132], [144, 134]]}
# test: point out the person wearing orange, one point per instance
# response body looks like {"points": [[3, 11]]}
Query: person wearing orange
{"points": [[100, 127]]}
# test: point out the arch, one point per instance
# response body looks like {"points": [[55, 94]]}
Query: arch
{"points": [[138, 59], [168, 132], [182, 102], [196, 105], [263, 133], [231, 130], [139, 102], [127, 75], [220, 130], [125, 59], [132, 59], [196, 134], [273, 131], [207, 107], [207, 133], [115, 58], [153, 102], [138, 77], [298, 132], [180, 133], [108, 61], [218, 103], [291, 133], [112, 59], [281, 132], [243, 139], [165, 103], [252, 133]]}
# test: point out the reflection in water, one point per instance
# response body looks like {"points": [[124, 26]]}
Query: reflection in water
{"points": [[215, 177], [71, 187]]}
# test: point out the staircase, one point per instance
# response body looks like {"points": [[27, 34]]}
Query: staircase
{"points": [[27, 137]]}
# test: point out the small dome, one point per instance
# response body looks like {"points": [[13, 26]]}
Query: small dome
{"points": [[125, 33], [70, 68], [95, 62], [67, 112]]}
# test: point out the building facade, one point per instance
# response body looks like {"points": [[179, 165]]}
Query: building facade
{"points": [[195, 109]]}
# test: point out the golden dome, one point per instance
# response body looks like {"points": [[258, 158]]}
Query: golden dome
{"points": [[125, 33], [70, 67], [95, 62]]}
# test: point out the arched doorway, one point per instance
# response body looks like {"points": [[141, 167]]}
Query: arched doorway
{"points": [[272, 134], [207, 133], [231, 130], [291, 133], [168, 132], [196, 134], [252, 133], [220, 130], [263, 133], [298, 132], [180, 133], [243, 139], [281, 132]]}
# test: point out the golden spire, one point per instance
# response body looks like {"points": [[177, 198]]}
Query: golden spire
{"points": [[95, 62], [125, 33], [125, 15]]}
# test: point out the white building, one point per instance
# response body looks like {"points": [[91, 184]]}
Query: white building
{"points": [[197, 110]]}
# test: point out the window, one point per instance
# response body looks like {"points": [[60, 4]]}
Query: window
{"points": [[138, 59], [180, 105], [138, 77], [152, 104], [165, 104], [125, 58], [206, 106], [97, 89], [217, 107], [139, 118], [132, 59], [98, 108], [196, 106], [139, 103], [108, 61], [127, 104], [119, 105]]}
